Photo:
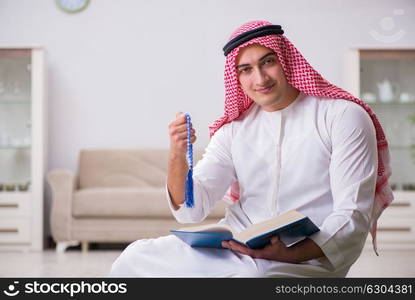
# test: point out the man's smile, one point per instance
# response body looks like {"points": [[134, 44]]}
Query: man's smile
{"points": [[266, 89]]}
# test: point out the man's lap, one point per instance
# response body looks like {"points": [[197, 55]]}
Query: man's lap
{"points": [[168, 256]]}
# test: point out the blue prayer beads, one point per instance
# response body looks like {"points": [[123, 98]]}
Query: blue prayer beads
{"points": [[189, 201]]}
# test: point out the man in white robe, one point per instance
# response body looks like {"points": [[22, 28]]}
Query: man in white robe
{"points": [[287, 150]]}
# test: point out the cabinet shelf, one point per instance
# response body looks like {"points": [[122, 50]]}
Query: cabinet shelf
{"points": [[392, 104], [15, 102], [399, 147], [15, 148], [13, 194]]}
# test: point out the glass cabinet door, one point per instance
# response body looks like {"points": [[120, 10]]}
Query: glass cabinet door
{"points": [[387, 84], [15, 120], [22, 147]]}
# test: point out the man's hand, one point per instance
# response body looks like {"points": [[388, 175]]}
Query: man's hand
{"points": [[276, 250], [178, 135], [177, 165]]}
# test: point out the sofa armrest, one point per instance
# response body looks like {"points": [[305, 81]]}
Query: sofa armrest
{"points": [[63, 185]]}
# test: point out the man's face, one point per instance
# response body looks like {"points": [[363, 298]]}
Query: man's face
{"points": [[262, 77]]}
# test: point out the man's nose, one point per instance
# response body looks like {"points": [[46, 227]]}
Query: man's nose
{"points": [[261, 77]]}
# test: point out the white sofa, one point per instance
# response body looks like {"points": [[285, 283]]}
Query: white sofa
{"points": [[115, 196]]}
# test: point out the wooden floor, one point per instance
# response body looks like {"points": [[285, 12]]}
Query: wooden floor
{"points": [[97, 263]]}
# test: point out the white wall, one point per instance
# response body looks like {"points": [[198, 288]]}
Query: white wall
{"points": [[118, 71]]}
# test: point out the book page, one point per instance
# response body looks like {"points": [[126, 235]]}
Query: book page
{"points": [[219, 228], [290, 241], [268, 225]]}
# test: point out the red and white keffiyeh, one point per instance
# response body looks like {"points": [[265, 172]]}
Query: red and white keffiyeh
{"points": [[303, 77]]}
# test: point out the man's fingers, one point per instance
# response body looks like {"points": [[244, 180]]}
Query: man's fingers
{"points": [[183, 136], [179, 129], [193, 139], [242, 249], [180, 120], [274, 239], [182, 131]]}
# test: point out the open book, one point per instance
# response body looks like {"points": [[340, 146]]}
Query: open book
{"points": [[291, 227]]}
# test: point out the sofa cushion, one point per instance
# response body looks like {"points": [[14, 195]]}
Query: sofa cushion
{"points": [[127, 202], [125, 168]]}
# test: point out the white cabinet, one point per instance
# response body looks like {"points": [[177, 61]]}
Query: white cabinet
{"points": [[384, 78], [22, 147], [396, 226]]}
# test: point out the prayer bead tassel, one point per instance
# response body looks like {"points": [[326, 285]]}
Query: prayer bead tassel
{"points": [[189, 201]]}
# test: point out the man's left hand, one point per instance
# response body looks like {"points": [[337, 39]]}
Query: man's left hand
{"points": [[276, 250]]}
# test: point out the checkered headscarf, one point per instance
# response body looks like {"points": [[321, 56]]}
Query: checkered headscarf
{"points": [[303, 77]]}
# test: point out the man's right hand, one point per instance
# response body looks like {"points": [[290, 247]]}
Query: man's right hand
{"points": [[177, 165], [178, 135]]}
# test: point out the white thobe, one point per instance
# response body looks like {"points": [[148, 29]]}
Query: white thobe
{"points": [[317, 156]]}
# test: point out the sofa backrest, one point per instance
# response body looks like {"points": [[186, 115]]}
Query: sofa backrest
{"points": [[125, 167]]}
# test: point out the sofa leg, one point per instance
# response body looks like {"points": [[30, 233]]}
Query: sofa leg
{"points": [[62, 246], [85, 246]]}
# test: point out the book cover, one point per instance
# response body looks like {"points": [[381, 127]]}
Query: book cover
{"points": [[291, 227]]}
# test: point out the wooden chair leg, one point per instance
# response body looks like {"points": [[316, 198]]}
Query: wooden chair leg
{"points": [[85, 246], [62, 246]]}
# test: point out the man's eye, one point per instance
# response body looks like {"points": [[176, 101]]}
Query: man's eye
{"points": [[268, 61], [244, 70]]}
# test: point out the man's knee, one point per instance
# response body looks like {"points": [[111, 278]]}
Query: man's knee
{"points": [[120, 266]]}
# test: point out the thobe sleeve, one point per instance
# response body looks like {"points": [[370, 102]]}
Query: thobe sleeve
{"points": [[353, 173], [212, 176]]}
